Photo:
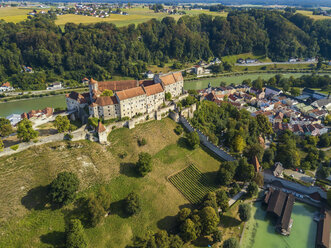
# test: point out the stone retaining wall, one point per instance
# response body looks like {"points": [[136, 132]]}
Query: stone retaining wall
{"points": [[79, 134]]}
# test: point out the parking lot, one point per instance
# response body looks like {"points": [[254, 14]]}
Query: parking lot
{"points": [[299, 176]]}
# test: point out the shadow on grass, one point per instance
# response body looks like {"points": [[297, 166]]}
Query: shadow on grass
{"points": [[208, 179], [202, 242], [117, 208], [129, 170], [228, 221], [36, 198], [168, 223], [183, 143], [56, 239]]}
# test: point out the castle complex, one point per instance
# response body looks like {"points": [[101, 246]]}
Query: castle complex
{"points": [[131, 97]]}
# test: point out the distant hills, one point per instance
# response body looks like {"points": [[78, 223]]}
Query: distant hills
{"points": [[302, 3]]}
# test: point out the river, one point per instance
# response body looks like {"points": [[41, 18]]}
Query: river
{"points": [[25, 105]]}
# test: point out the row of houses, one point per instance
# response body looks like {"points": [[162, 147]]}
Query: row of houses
{"points": [[130, 97], [37, 114], [283, 112]]}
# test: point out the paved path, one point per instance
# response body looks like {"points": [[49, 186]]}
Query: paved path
{"points": [[237, 196], [277, 63]]}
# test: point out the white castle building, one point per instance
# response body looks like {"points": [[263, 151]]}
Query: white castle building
{"points": [[131, 97]]}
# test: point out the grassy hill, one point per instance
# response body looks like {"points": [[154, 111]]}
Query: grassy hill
{"points": [[25, 221]]}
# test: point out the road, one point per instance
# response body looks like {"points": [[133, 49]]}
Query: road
{"points": [[277, 63], [38, 92]]}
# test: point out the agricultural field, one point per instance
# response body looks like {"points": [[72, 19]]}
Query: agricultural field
{"points": [[13, 14], [203, 83], [232, 59], [310, 14], [26, 221], [193, 184], [136, 16]]}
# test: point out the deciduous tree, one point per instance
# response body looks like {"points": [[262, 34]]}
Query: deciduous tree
{"points": [[62, 123], [5, 127], [63, 188], [132, 204], [193, 139], [75, 235], [144, 164], [25, 131], [244, 212]]}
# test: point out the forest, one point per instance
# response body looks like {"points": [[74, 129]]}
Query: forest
{"points": [[102, 50]]}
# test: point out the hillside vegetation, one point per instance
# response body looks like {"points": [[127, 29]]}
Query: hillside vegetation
{"points": [[94, 51], [27, 222]]}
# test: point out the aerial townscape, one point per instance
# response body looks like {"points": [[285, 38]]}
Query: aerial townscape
{"points": [[151, 124]]}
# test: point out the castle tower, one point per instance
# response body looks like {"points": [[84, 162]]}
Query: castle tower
{"points": [[102, 133]]}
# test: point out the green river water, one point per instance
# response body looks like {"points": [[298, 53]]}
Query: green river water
{"points": [[18, 107], [260, 230]]}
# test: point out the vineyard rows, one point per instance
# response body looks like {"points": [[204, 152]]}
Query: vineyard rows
{"points": [[193, 184]]}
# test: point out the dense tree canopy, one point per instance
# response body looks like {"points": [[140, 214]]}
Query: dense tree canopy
{"points": [[226, 124], [94, 50]]}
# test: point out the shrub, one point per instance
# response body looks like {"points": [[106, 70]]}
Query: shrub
{"points": [[244, 211], [123, 154], [14, 147], [179, 130], [217, 236], [132, 204], [68, 136], [168, 96], [231, 243], [93, 122], [142, 142]]}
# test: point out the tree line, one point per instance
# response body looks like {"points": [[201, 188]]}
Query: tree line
{"points": [[101, 50]]}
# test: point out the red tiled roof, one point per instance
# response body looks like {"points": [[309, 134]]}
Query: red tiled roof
{"points": [[153, 89], [101, 128], [81, 98], [6, 84], [256, 164], [117, 85], [106, 100], [48, 111], [172, 78], [92, 81], [130, 93]]}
